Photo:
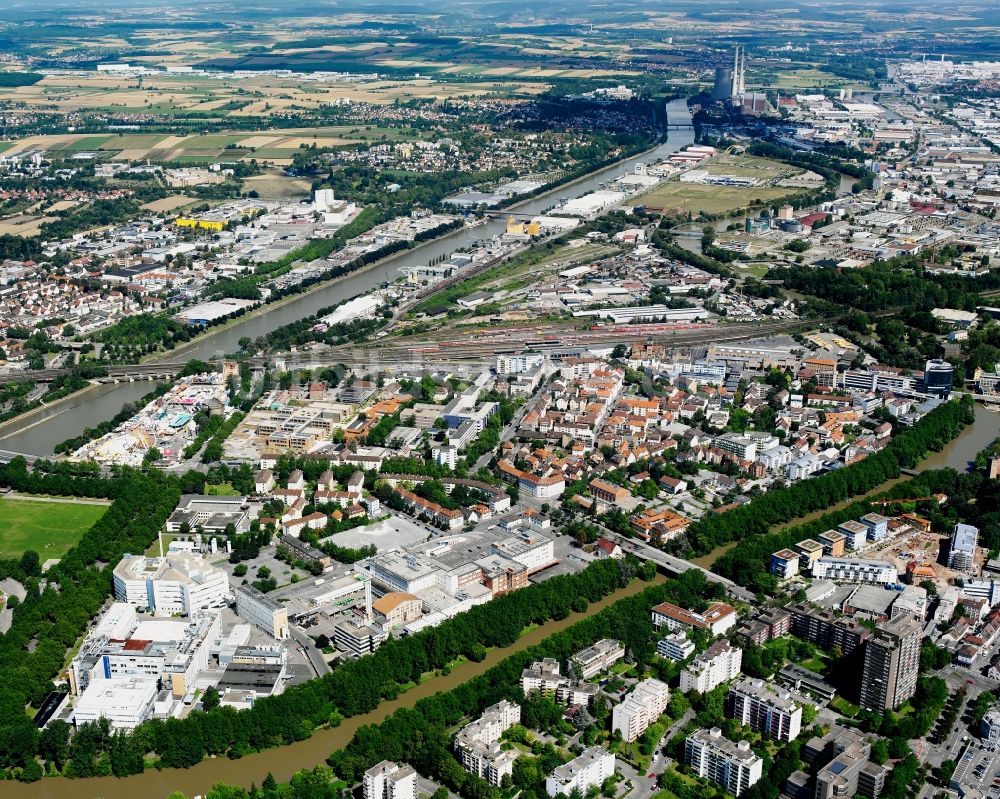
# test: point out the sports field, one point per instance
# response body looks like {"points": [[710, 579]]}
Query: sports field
{"points": [[49, 528]]}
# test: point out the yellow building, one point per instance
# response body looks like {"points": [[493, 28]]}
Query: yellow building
{"points": [[204, 224]]}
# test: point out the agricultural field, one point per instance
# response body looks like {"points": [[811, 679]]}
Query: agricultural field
{"points": [[49, 528]]}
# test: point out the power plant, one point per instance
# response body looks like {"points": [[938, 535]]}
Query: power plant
{"points": [[739, 73], [723, 88]]}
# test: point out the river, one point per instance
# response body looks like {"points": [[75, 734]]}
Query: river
{"points": [[284, 761], [38, 433]]}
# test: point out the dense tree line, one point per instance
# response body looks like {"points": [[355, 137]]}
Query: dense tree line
{"points": [[53, 615], [781, 505], [899, 282]]}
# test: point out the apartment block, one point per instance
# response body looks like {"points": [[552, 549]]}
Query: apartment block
{"points": [[597, 658], [785, 564], [855, 570], [892, 660], [826, 630], [588, 770], [718, 618], [733, 766], [719, 663], [478, 743], [765, 709], [389, 780], [675, 646], [641, 707]]}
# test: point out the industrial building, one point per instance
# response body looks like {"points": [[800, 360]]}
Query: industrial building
{"points": [[179, 582], [168, 651], [262, 611]]}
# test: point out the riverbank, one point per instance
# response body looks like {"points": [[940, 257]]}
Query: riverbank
{"points": [[283, 762]]}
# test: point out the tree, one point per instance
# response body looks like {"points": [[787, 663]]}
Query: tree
{"points": [[210, 699]]}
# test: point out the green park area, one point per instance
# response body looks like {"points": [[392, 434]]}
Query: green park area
{"points": [[697, 197], [49, 528]]}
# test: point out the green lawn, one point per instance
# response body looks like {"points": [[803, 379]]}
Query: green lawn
{"points": [[49, 528]]}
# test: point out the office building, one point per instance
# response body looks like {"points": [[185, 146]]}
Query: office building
{"points": [[588, 770], [938, 378], [842, 766], [640, 708], [478, 743], [892, 660], [389, 780], [733, 766], [962, 554], [675, 646], [597, 658], [262, 611], [719, 663], [179, 583], [209, 513], [355, 638], [765, 709]]}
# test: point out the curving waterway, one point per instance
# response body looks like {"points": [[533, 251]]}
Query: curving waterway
{"points": [[284, 761], [39, 432]]}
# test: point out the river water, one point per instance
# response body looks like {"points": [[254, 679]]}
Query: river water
{"points": [[40, 432], [284, 761]]}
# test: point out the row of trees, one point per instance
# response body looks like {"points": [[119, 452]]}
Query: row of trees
{"points": [[781, 505]]}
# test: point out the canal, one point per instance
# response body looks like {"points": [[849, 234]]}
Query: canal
{"points": [[284, 761], [38, 433]]}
